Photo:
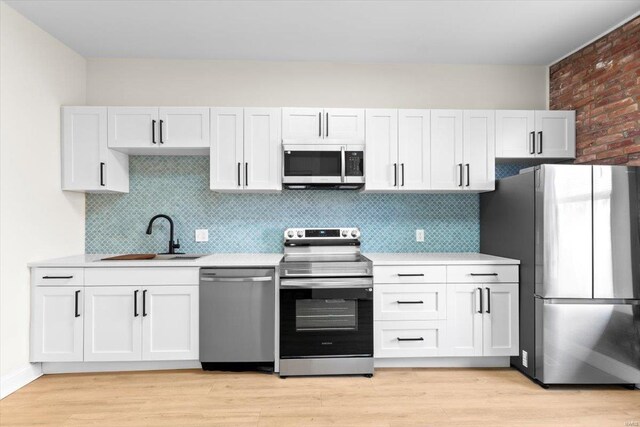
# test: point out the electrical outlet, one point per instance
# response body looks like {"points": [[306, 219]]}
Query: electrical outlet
{"points": [[202, 235], [525, 359], [419, 235]]}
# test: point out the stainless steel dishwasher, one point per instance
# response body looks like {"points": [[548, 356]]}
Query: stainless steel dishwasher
{"points": [[237, 309]]}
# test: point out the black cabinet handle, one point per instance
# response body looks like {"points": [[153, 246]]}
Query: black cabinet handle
{"points": [[410, 302], [410, 339], [488, 300], [327, 125], [239, 174], [320, 124], [540, 146], [153, 131], [480, 309], [460, 177], [102, 174], [57, 277], [135, 303], [246, 174], [160, 130], [532, 143], [483, 274], [144, 303], [395, 174], [76, 308], [410, 274], [468, 168], [402, 168]]}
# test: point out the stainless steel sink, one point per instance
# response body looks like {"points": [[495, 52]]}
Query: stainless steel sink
{"points": [[176, 257]]}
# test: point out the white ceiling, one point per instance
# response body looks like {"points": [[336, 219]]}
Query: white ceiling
{"points": [[472, 32]]}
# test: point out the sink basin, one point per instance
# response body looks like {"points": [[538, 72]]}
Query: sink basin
{"points": [[154, 257], [177, 257]]}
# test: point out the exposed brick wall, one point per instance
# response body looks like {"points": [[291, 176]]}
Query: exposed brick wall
{"points": [[602, 83]]}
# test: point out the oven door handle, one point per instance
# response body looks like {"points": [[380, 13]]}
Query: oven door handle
{"points": [[325, 284]]}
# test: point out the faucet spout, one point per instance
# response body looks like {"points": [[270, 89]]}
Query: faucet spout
{"points": [[172, 245]]}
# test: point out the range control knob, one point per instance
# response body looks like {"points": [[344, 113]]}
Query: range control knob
{"points": [[354, 233], [300, 234], [290, 234], [345, 233]]}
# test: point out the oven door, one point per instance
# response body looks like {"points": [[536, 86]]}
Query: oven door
{"points": [[330, 317]]}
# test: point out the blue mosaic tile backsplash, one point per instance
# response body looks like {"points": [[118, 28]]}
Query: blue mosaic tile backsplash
{"points": [[179, 187]]}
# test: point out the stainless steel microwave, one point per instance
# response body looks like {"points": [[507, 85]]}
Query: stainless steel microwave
{"points": [[329, 166]]}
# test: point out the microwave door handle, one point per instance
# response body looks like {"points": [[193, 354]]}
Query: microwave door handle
{"points": [[342, 168]]}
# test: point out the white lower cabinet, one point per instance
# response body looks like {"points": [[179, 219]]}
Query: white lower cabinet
{"points": [[170, 323], [500, 322], [464, 321], [57, 324], [113, 326], [126, 323], [410, 302], [410, 338]]}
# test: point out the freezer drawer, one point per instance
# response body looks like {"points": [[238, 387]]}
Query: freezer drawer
{"points": [[587, 342]]}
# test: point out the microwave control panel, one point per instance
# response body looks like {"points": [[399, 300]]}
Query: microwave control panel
{"points": [[354, 163]]}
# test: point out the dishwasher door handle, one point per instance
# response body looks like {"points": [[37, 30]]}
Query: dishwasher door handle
{"points": [[237, 279]]}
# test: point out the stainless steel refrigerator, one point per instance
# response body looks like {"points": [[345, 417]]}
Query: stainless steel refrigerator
{"points": [[576, 231]]}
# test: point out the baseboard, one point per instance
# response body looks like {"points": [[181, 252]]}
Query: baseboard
{"points": [[443, 362], [77, 367], [19, 378]]}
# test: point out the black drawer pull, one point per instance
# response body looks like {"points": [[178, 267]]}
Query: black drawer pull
{"points": [[410, 302], [410, 339], [411, 274], [57, 277], [484, 274]]}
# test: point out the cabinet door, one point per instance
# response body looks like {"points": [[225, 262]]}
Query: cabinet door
{"points": [[113, 325], [262, 149], [302, 124], [183, 127], [464, 320], [446, 150], [555, 134], [500, 326], [84, 131], [414, 147], [226, 162], [409, 338], [479, 150], [515, 134], [424, 301], [170, 323], [56, 329], [344, 123], [133, 127], [381, 150]]}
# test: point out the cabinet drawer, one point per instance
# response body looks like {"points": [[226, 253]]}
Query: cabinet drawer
{"points": [[409, 338], [482, 273], [410, 302], [142, 276], [58, 276], [410, 274]]}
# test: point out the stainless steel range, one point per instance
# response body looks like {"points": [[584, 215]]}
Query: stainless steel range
{"points": [[326, 304]]}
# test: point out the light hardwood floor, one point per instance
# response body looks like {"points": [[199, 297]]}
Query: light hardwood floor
{"points": [[393, 397]]}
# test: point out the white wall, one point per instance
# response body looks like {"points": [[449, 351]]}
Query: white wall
{"points": [[38, 74], [275, 84]]}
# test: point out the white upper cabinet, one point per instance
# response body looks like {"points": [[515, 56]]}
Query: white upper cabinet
{"points": [[226, 162], [170, 323], [414, 146], [311, 125], [87, 163], [522, 134], [262, 149], [246, 150], [446, 150], [57, 324], [381, 150], [479, 150], [159, 131], [555, 134], [183, 127]]}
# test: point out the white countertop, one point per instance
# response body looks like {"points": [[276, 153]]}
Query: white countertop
{"points": [[271, 260], [439, 258], [212, 260]]}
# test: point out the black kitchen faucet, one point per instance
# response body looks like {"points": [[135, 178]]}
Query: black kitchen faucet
{"points": [[172, 245]]}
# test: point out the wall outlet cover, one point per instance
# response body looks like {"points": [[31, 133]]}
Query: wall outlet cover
{"points": [[202, 235], [420, 235]]}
